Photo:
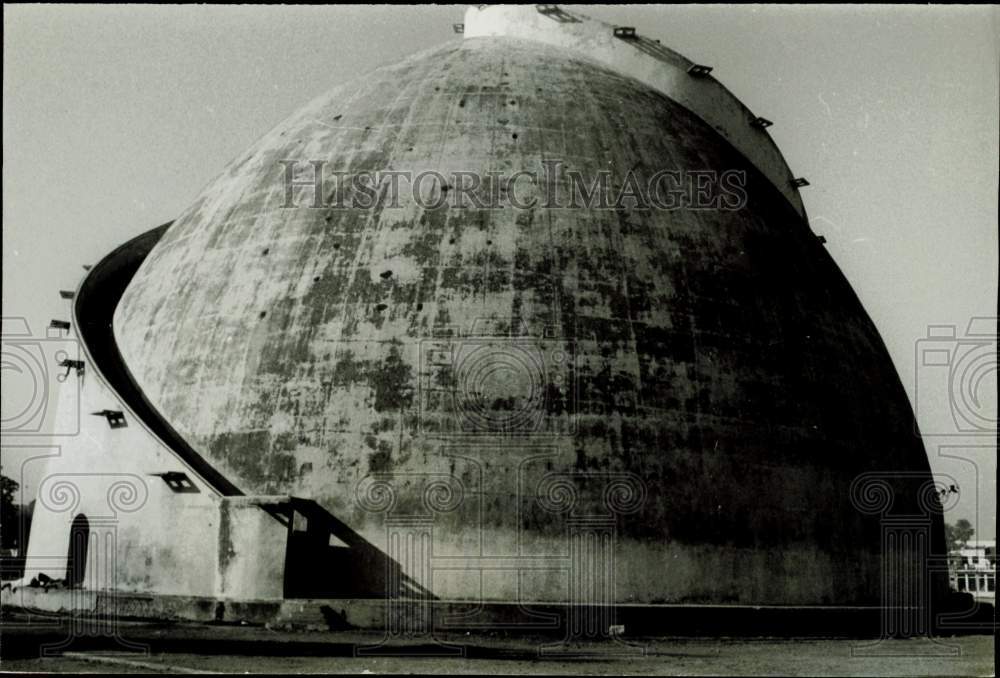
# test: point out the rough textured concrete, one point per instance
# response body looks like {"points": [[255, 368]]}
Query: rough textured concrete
{"points": [[141, 536], [252, 545], [705, 386], [653, 64]]}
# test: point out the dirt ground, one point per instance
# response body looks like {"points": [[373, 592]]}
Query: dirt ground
{"points": [[189, 648]]}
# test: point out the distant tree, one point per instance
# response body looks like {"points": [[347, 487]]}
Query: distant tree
{"points": [[8, 513], [959, 534]]}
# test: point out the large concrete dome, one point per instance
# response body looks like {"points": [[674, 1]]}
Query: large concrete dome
{"points": [[703, 381]]}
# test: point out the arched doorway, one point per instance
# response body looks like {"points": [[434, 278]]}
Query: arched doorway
{"points": [[79, 541]]}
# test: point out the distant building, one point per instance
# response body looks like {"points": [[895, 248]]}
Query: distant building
{"points": [[973, 569]]}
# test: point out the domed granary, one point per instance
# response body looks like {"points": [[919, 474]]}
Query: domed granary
{"points": [[408, 320]]}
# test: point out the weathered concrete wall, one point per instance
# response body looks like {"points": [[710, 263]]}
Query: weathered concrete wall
{"points": [[251, 549], [702, 386], [652, 64], [144, 537], [140, 534]]}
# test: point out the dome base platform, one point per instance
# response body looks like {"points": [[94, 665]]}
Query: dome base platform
{"points": [[428, 620]]}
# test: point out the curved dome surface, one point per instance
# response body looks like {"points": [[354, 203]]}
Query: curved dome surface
{"points": [[702, 385]]}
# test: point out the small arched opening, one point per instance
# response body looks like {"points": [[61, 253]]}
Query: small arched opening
{"points": [[79, 542]]}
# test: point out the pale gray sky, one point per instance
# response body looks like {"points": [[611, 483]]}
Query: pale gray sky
{"points": [[115, 117]]}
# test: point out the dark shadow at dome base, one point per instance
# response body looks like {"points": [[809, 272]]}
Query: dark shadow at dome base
{"points": [[351, 568]]}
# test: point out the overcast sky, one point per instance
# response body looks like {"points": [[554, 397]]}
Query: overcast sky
{"points": [[116, 117]]}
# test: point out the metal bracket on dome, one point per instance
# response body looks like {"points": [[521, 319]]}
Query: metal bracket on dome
{"points": [[556, 13], [458, 28], [178, 482], [59, 325], [625, 32], [86, 267], [699, 70], [761, 123], [799, 182], [71, 365], [116, 418], [67, 294]]}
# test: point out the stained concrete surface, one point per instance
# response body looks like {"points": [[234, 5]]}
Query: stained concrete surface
{"points": [[715, 361]]}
